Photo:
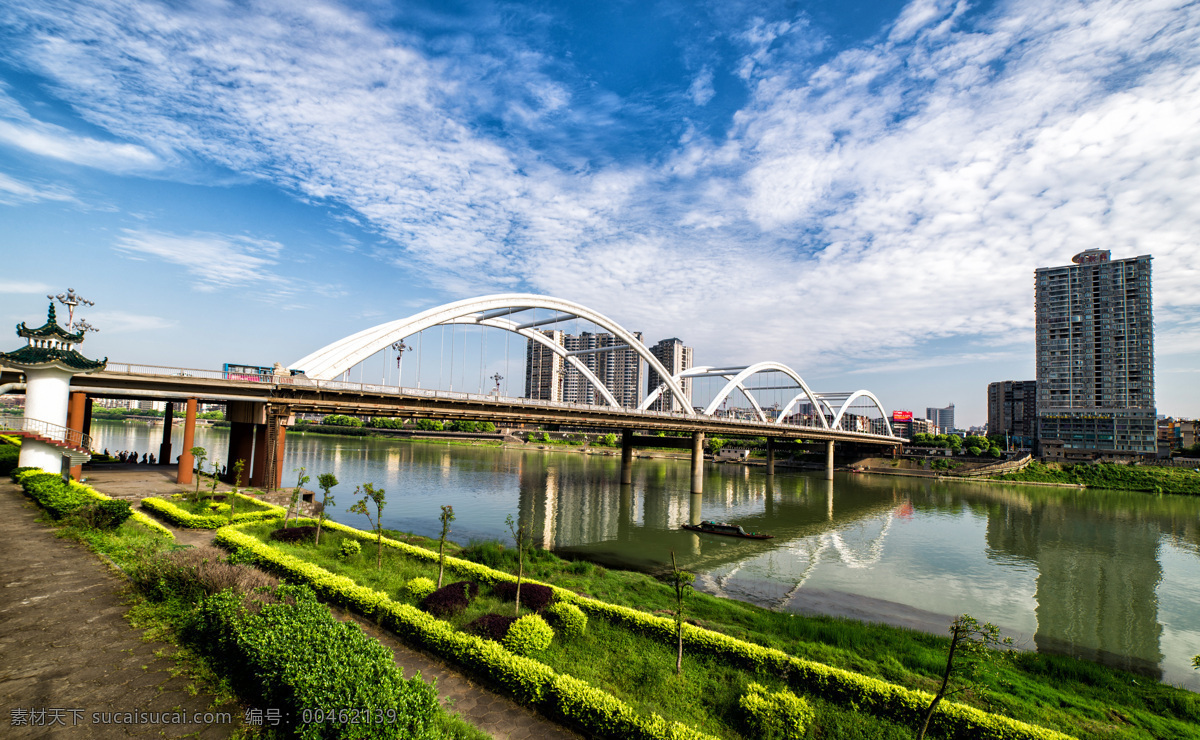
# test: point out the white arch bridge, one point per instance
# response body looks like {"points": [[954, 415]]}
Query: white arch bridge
{"points": [[259, 406]]}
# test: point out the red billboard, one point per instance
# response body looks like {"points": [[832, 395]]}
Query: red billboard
{"points": [[901, 416]]}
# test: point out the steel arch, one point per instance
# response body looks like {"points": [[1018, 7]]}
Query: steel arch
{"points": [[758, 367], [863, 393], [337, 357]]}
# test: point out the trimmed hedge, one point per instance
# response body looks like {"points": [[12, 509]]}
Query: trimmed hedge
{"points": [[293, 655], [9, 456], [578, 703], [881, 698], [60, 498], [568, 618], [534, 596], [181, 517], [779, 715], [529, 634], [420, 587]]}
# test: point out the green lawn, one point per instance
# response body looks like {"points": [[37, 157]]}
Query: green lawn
{"points": [[1077, 697]]}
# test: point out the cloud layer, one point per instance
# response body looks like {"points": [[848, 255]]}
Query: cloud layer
{"points": [[858, 205]]}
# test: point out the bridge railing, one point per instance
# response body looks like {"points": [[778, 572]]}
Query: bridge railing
{"points": [[46, 430], [303, 381]]}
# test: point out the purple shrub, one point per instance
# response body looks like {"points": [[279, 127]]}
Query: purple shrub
{"points": [[533, 596], [491, 626], [294, 534], [450, 600]]}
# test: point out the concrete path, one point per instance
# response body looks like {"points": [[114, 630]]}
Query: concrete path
{"points": [[492, 713], [67, 654]]}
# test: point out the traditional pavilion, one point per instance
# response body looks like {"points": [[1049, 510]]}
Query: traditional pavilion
{"points": [[49, 361]]}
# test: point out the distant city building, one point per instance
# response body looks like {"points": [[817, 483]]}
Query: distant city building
{"points": [[114, 403], [943, 419], [675, 358], [908, 427], [544, 369], [1012, 411], [1177, 434], [1095, 358], [151, 405], [549, 377]]}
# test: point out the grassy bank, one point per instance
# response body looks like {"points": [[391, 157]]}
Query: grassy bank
{"points": [[1073, 696], [1107, 475]]}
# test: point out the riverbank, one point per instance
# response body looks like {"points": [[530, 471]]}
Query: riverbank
{"points": [[1150, 479]]}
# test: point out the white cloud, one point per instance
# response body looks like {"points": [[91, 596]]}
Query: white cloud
{"points": [[14, 192], [899, 192], [701, 90], [57, 143], [24, 286], [120, 322]]}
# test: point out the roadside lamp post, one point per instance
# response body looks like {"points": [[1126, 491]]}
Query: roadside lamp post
{"points": [[497, 377], [71, 299], [400, 348]]}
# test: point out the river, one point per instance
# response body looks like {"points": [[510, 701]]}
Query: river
{"points": [[1107, 575]]}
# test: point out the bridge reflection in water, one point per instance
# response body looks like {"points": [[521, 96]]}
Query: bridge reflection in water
{"points": [[1063, 574]]}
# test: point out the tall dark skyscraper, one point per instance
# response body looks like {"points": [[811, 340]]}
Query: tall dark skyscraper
{"points": [[1095, 358]]}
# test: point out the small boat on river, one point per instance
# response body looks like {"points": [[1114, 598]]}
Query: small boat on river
{"points": [[730, 530]]}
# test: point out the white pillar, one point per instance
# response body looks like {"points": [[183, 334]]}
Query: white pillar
{"points": [[47, 395]]}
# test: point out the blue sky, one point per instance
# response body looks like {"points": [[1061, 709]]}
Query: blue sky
{"points": [[860, 190]]}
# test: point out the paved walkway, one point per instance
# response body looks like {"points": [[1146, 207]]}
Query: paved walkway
{"points": [[67, 654], [492, 713]]}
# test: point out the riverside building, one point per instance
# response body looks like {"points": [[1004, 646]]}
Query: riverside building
{"points": [[548, 377], [675, 358], [1012, 411], [1095, 358]]}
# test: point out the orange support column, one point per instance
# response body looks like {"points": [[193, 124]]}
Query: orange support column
{"points": [[258, 477], [186, 461], [76, 410], [280, 445]]}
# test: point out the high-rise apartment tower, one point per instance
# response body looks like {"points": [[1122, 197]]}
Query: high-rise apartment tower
{"points": [[675, 358], [549, 377], [1095, 358], [1012, 411], [943, 418]]}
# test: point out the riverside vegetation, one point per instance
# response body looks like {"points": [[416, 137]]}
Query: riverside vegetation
{"points": [[1152, 479], [239, 632], [741, 657]]}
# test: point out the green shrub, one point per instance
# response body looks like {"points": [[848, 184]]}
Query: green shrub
{"points": [[9, 455], [568, 618], [108, 514], [350, 548], [181, 517], [529, 634], [293, 655], [417, 588], [775, 716], [16, 473], [53, 494]]}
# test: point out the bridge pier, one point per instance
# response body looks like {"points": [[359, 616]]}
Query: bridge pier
{"points": [[186, 461], [770, 456], [697, 462], [829, 459], [164, 449], [257, 473], [626, 457], [241, 447], [76, 408]]}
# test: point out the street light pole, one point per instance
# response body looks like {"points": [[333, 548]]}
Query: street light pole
{"points": [[497, 377], [400, 348]]}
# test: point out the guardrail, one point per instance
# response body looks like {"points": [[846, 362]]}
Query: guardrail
{"points": [[303, 381], [46, 430]]}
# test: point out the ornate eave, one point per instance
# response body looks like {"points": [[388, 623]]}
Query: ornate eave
{"points": [[36, 358], [49, 330]]}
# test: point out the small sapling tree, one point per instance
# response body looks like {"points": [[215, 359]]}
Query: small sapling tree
{"points": [[201, 455], [971, 643], [238, 467], [360, 507], [446, 517], [520, 533], [681, 581], [326, 481], [295, 502], [216, 479]]}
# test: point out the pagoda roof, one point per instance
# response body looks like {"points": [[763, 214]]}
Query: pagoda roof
{"points": [[30, 357], [49, 330]]}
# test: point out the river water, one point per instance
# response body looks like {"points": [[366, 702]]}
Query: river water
{"points": [[1106, 575]]}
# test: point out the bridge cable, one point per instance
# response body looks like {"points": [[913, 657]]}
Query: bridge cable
{"points": [[420, 356], [482, 351], [441, 355]]}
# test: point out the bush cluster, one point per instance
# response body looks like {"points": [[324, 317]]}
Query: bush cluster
{"points": [[195, 572], [491, 626], [880, 698], [780, 715], [450, 600], [535, 596], [350, 548], [293, 655], [181, 517], [106, 515], [578, 703], [306, 533], [61, 498], [568, 618], [528, 635], [9, 455], [420, 587]]}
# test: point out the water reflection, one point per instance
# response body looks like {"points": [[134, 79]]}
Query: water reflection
{"points": [[1105, 575]]}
